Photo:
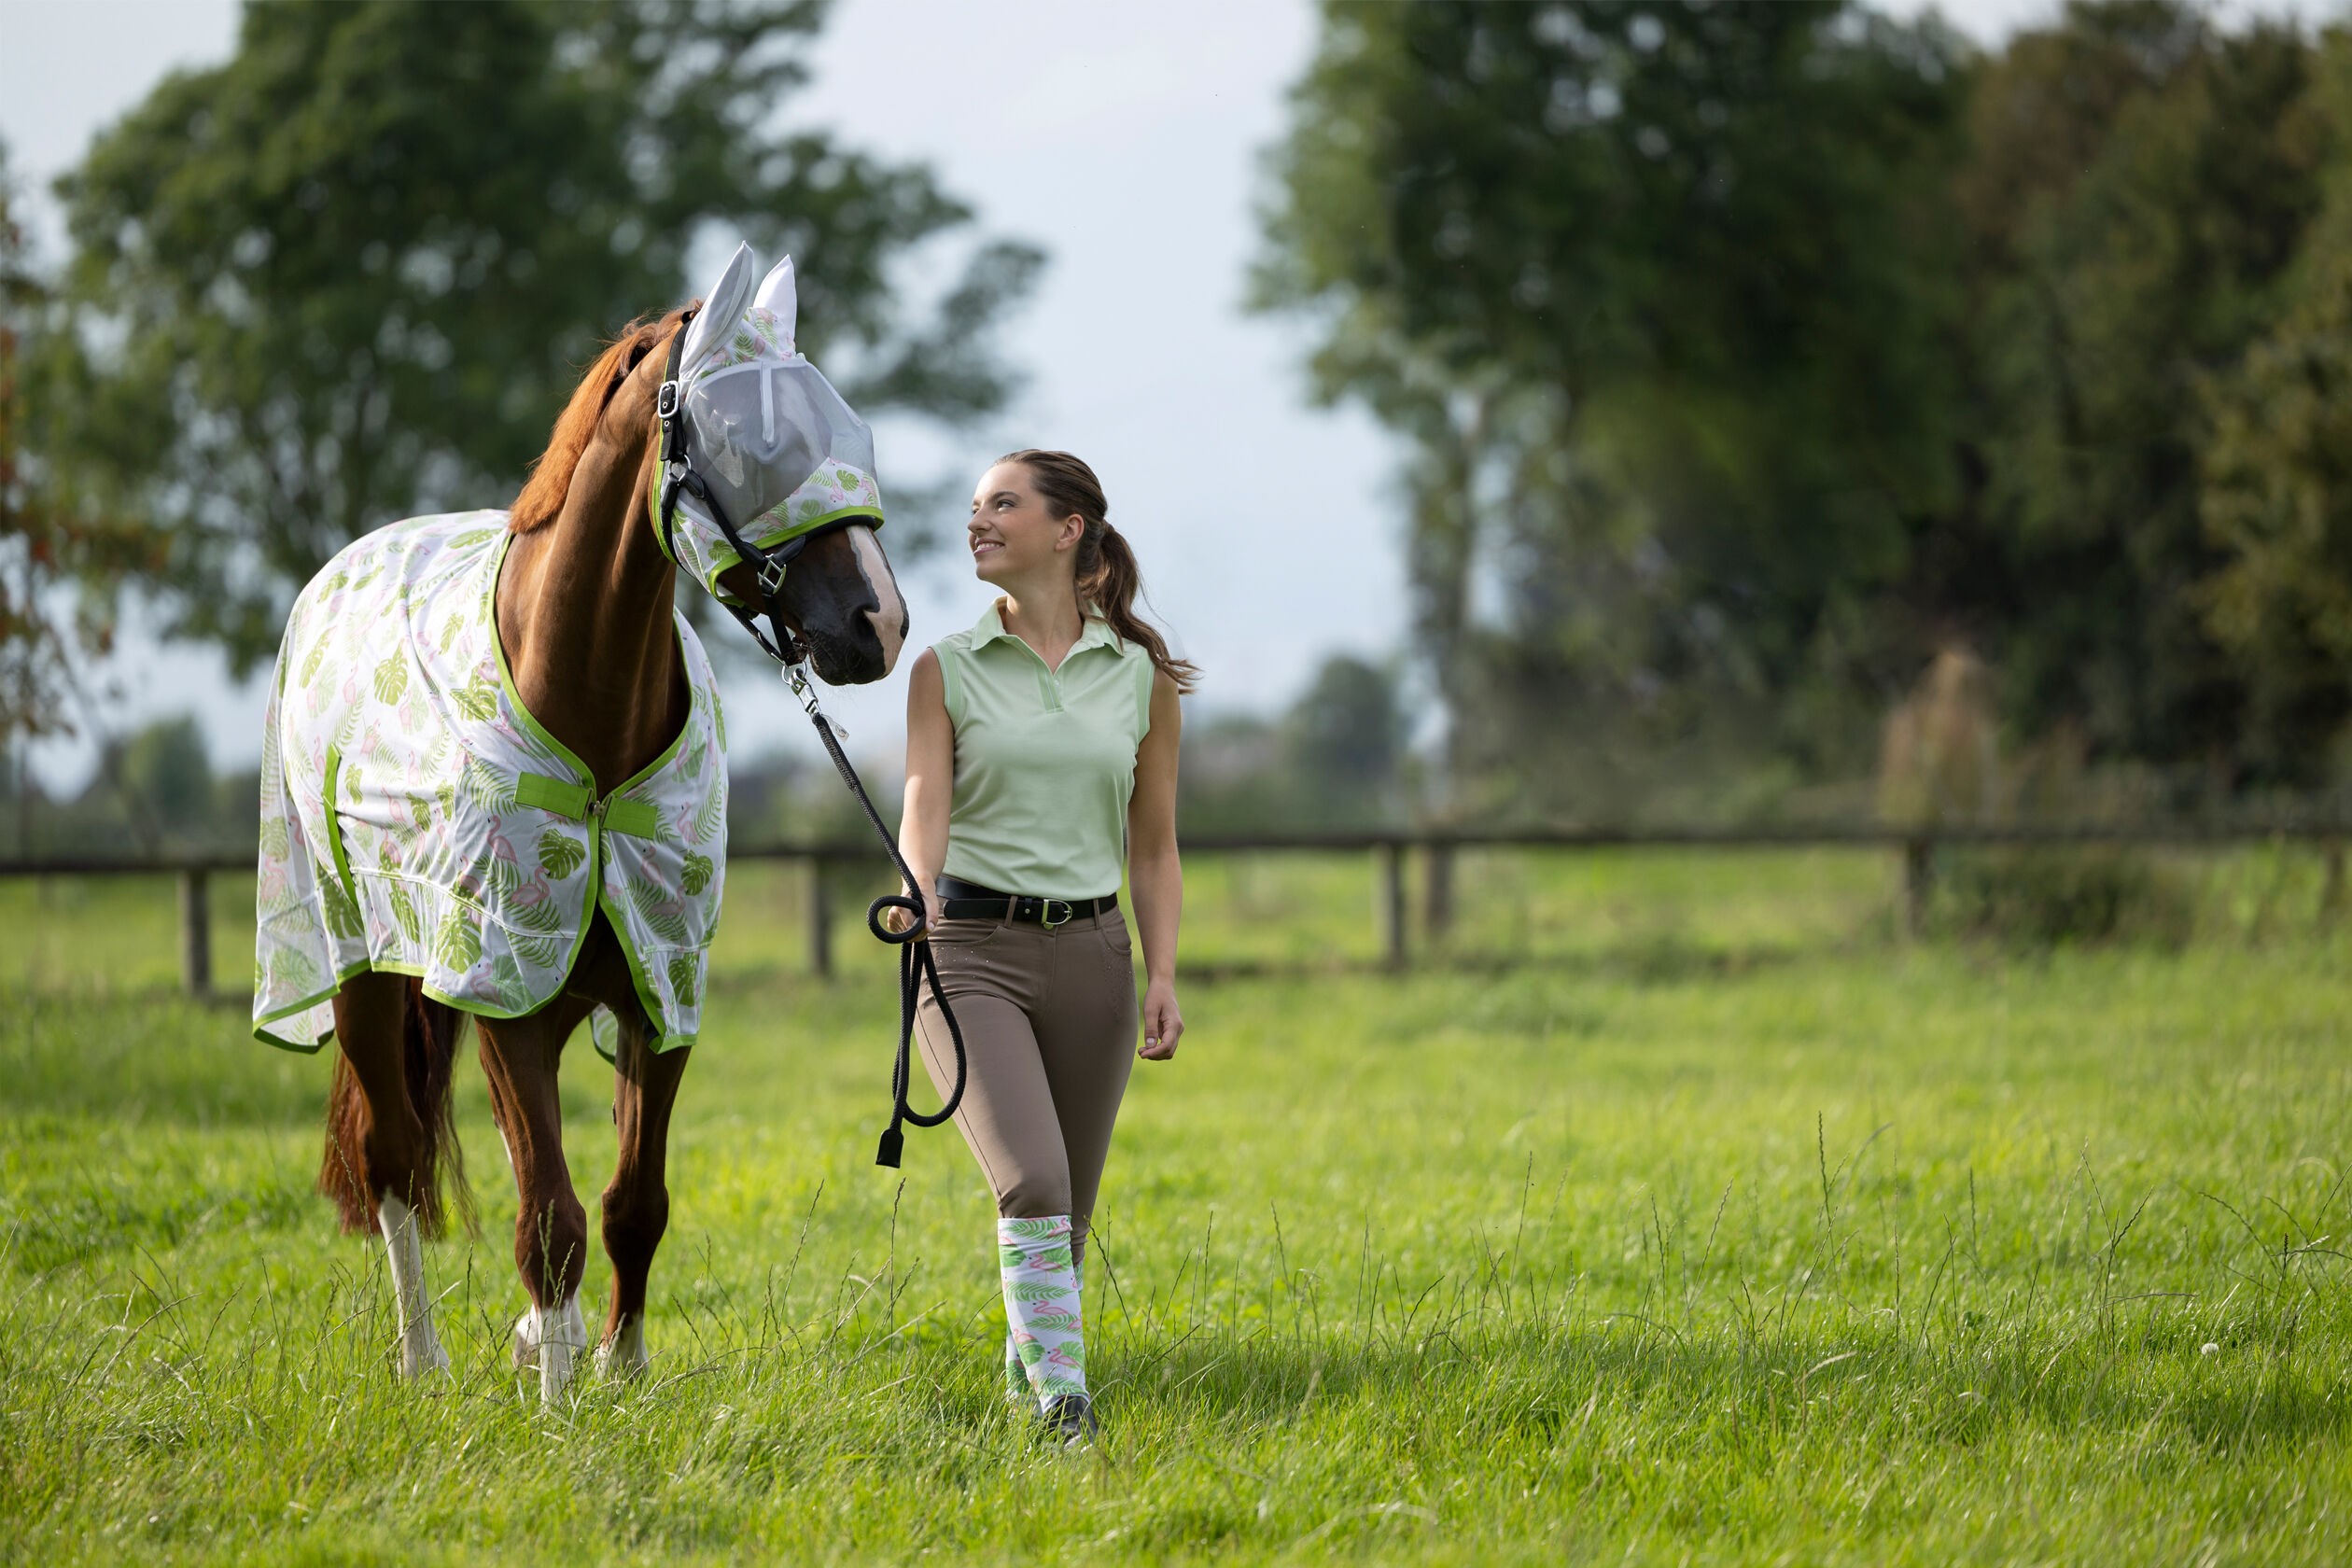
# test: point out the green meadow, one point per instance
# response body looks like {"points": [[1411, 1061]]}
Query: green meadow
{"points": [[1676, 1208]]}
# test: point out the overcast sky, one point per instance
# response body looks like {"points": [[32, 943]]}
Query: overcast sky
{"points": [[1126, 140]]}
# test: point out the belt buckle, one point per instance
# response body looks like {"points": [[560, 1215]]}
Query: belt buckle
{"points": [[1045, 913]]}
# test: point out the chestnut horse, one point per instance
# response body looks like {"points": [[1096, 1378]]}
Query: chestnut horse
{"points": [[585, 616]]}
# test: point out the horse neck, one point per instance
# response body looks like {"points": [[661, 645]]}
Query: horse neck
{"points": [[584, 612]]}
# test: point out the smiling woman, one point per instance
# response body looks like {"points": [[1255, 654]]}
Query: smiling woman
{"points": [[1041, 764]]}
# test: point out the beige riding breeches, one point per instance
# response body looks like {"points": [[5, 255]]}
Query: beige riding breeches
{"points": [[1049, 1019]]}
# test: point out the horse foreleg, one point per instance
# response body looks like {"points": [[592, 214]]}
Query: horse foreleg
{"points": [[636, 1204], [521, 1058]]}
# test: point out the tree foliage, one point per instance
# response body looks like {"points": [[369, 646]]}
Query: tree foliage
{"points": [[1747, 356], [65, 558], [351, 273]]}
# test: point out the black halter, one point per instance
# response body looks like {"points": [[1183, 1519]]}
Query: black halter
{"points": [[916, 965]]}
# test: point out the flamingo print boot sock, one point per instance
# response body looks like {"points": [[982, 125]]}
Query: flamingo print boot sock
{"points": [[1017, 1389], [1040, 1304]]}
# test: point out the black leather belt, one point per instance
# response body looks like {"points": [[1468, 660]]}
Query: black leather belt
{"points": [[960, 900]]}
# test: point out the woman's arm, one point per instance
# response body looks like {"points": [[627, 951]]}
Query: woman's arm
{"points": [[1155, 876], [931, 782]]}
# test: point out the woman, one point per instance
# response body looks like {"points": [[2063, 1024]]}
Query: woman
{"points": [[1040, 759]]}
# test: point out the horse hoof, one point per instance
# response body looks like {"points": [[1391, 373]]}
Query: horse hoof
{"points": [[549, 1341], [623, 1356], [419, 1361]]}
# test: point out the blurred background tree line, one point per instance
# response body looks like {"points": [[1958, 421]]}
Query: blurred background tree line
{"points": [[1754, 359], [1805, 412]]}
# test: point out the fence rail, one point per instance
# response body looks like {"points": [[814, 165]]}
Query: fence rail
{"points": [[1391, 851]]}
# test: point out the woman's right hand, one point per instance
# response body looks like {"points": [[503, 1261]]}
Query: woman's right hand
{"points": [[899, 919]]}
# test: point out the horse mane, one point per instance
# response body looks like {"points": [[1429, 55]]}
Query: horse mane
{"points": [[542, 497]]}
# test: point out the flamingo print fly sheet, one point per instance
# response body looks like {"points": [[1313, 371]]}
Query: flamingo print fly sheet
{"points": [[417, 820]]}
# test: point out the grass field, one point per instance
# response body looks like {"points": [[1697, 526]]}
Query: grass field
{"points": [[1681, 1214]]}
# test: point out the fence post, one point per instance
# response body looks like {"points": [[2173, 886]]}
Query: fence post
{"points": [[1392, 908], [1919, 881], [2331, 886], [195, 935], [1437, 888], [820, 920]]}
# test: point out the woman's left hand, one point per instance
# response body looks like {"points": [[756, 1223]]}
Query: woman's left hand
{"points": [[1163, 1024]]}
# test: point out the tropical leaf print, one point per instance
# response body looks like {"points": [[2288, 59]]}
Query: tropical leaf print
{"points": [[681, 979], [543, 916], [665, 915], [450, 628], [309, 670], [343, 913], [560, 855], [478, 701], [697, 874], [276, 843], [507, 982], [391, 679], [484, 787], [710, 815], [292, 969], [1038, 1290], [459, 945], [404, 911], [539, 952]]}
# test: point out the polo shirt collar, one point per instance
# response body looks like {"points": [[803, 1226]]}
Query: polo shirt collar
{"points": [[990, 626]]}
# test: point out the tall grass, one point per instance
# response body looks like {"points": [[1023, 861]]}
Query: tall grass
{"points": [[1682, 1214]]}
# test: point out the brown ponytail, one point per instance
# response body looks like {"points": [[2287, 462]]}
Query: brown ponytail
{"points": [[1109, 578]]}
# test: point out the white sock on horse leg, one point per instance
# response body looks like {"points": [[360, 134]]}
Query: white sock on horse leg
{"points": [[623, 1355], [1041, 1304], [420, 1351], [551, 1338]]}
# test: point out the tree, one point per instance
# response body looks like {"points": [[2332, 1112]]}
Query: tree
{"points": [[1748, 358], [2139, 189], [64, 559], [1346, 735], [1655, 293], [350, 274], [2276, 501]]}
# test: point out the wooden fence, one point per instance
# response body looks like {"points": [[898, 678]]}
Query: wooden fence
{"points": [[1391, 851]]}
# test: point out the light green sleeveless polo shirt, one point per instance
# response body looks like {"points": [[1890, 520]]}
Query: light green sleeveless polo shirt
{"points": [[1045, 759]]}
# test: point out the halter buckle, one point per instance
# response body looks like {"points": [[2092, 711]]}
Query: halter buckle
{"points": [[666, 400]]}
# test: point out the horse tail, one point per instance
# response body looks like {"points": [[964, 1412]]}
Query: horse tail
{"points": [[429, 1031]]}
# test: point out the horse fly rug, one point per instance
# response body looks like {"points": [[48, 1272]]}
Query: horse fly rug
{"points": [[415, 819]]}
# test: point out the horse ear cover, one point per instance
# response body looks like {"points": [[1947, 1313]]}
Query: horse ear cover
{"points": [[723, 305], [780, 297]]}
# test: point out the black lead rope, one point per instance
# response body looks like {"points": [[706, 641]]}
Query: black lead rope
{"points": [[917, 964]]}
